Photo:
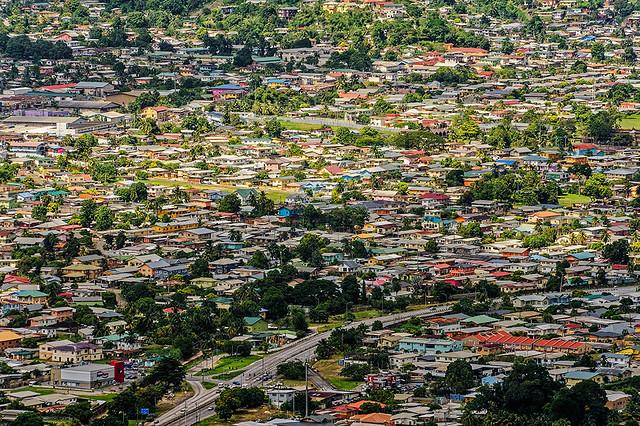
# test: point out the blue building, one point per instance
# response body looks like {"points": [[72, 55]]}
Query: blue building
{"points": [[430, 346]]}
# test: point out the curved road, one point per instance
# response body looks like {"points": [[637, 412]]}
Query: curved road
{"points": [[200, 406]]}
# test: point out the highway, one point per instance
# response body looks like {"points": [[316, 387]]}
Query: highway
{"points": [[200, 405]]}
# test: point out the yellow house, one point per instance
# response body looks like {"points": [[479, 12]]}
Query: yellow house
{"points": [[155, 113], [163, 227]]}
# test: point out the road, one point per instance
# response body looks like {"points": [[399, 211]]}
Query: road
{"points": [[200, 406]]}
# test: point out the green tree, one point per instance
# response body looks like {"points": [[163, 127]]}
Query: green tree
{"points": [[230, 203], [459, 376], [583, 404], [273, 128], [310, 246], [29, 419], [168, 372], [104, 218], [87, 212], [259, 260], [597, 186], [292, 370], [617, 251], [80, 411], [464, 129], [39, 212], [597, 51]]}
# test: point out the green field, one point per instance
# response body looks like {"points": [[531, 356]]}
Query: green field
{"points": [[277, 195], [571, 199], [305, 127], [228, 364], [630, 122], [330, 370]]}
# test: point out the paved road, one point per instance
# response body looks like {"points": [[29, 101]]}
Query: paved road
{"points": [[200, 406]]}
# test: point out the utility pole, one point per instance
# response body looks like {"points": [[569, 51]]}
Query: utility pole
{"points": [[306, 388]]}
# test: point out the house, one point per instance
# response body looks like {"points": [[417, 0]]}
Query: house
{"points": [[9, 339], [280, 395], [431, 346], [95, 88], [255, 324], [227, 91], [69, 352]]}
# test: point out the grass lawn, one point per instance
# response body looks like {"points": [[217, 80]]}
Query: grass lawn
{"points": [[263, 413], [330, 370], [41, 391], [571, 199], [108, 397], [366, 314], [229, 363], [630, 122], [306, 127], [277, 195]]}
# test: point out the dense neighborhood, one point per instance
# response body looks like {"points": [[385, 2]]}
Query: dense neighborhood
{"points": [[353, 212]]}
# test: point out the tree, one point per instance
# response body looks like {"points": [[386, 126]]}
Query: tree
{"points": [[259, 260], [87, 212], [28, 419], [167, 371], [355, 371], [629, 56], [121, 240], [310, 246], [103, 171], [103, 218], [459, 376], [350, 289], [39, 212], [583, 404], [597, 51], [273, 128], [525, 391], [470, 230], [292, 370], [230, 203], [454, 177], [617, 251], [200, 268], [109, 300], [597, 186], [138, 191], [261, 204], [464, 129], [298, 321], [80, 411], [602, 125], [243, 57], [580, 169]]}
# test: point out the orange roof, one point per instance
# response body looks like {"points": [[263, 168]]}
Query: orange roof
{"points": [[374, 418], [545, 213], [357, 405]]}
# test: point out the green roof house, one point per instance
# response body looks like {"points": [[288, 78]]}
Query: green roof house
{"points": [[254, 324]]}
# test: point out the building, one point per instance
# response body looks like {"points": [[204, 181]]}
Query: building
{"points": [[65, 351], [9, 339], [87, 376], [280, 396], [431, 346]]}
